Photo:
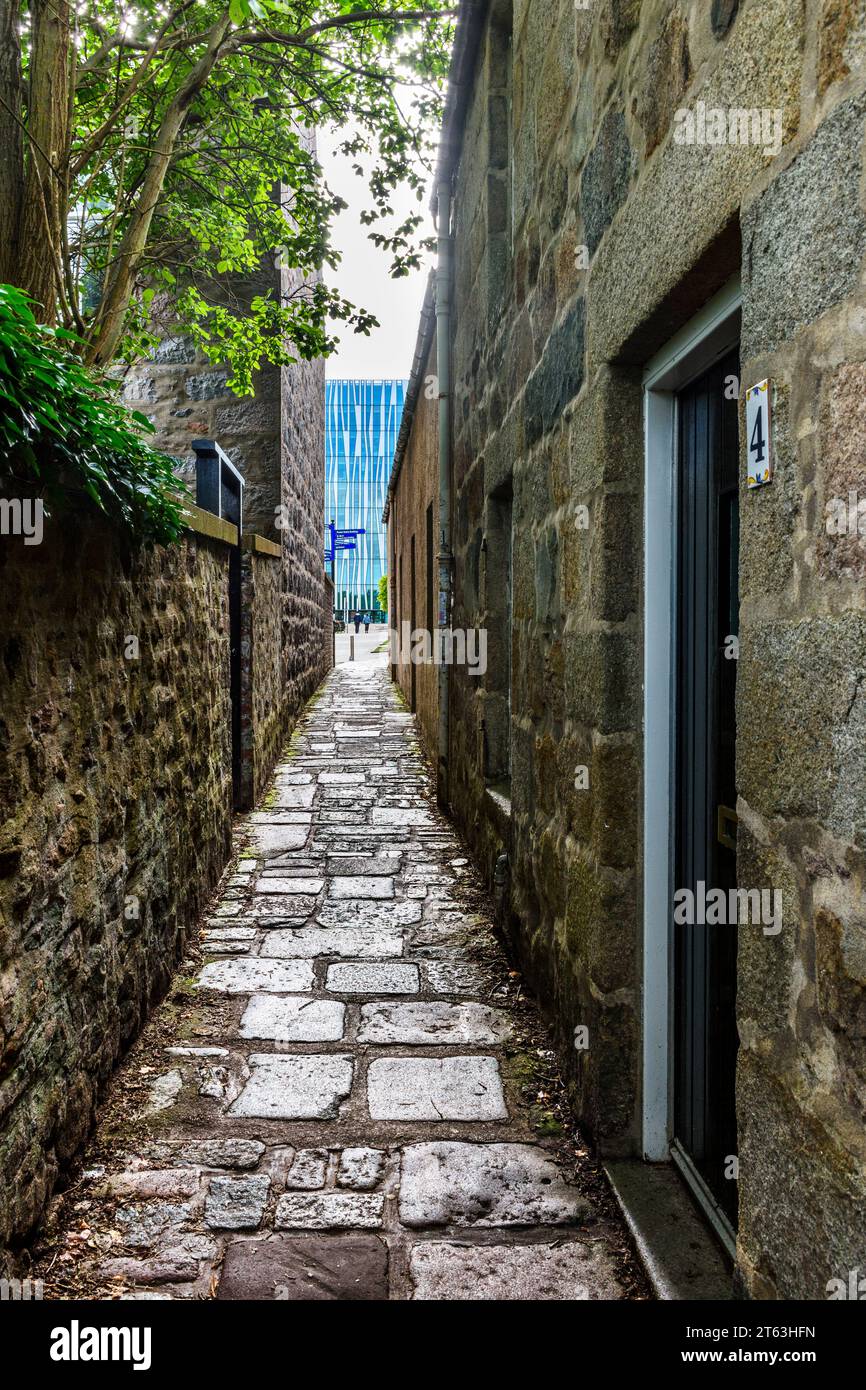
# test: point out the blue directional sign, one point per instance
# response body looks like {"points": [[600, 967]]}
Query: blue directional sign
{"points": [[348, 535]]}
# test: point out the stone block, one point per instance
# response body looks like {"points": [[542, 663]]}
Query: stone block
{"points": [[356, 943], [309, 1169], [447, 1271], [469, 1025], [361, 1169], [306, 1269], [373, 978], [361, 886], [236, 1204], [435, 1088], [253, 975], [295, 1088], [319, 1211], [281, 1019], [804, 241], [454, 1184], [364, 914]]}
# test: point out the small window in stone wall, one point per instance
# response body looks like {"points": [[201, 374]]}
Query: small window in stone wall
{"points": [[498, 564]]}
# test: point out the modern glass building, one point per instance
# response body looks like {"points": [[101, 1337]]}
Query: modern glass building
{"points": [[361, 428]]}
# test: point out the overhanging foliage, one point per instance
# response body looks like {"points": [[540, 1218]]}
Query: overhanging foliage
{"points": [[65, 438]]}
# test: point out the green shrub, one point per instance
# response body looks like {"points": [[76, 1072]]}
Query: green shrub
{"points": [[66, 438]]}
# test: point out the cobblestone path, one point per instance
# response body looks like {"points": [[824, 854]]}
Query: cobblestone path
{"points": [[339, 1102]]}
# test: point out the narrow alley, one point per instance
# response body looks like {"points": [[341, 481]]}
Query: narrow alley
{"points": [[346, 1095]]}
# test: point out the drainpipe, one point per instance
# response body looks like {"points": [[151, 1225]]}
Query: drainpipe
{"points": [[443, 368]]}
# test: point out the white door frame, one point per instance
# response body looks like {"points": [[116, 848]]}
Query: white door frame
{"points": [[705, 338]]}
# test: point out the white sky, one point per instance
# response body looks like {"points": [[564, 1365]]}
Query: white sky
{"points": [[363, 276]]}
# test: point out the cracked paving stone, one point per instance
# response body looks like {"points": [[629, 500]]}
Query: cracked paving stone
{"points": [[236, 1204], [445, 1270], [253, 975], [295, 1088], [320, 1211], [279, 907], [435, 1088], [374, 978], [277, 1019], [352, 942], [245, 934], [469, 1025], [456, 1184], [306, 1268]]}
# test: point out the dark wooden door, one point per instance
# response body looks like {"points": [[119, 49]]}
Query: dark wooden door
{"points": [[707, 621]]}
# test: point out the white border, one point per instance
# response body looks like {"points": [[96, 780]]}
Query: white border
{"points": [[689, 353]]}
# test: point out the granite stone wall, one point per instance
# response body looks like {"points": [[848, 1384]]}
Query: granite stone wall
{"points": [[116, 775], [586, 235], [415, 494], [264, 714], [115, 816]]}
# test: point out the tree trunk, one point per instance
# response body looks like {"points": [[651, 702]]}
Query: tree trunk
{"points": [[11, 143], [110, 319], [44, 207]]}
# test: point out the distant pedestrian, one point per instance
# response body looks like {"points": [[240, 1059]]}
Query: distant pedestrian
{"points": [[357, 622], [366, 622]]}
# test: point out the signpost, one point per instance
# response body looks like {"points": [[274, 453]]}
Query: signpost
{"points": [[339, 541]]}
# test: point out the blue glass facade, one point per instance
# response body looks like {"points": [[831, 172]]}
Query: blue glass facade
{"points": [[361, 427]]}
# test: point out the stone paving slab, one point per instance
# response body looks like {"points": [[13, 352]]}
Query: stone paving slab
{"points": [[346, 1268], [368, 914], [453, 1184], [353, 942], [524, 1273], [469, 1024], [254, 974], [435, 1088], [336, 1114], [389, 977], [295, 1088], [324, 1211], [293, 1019]]}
